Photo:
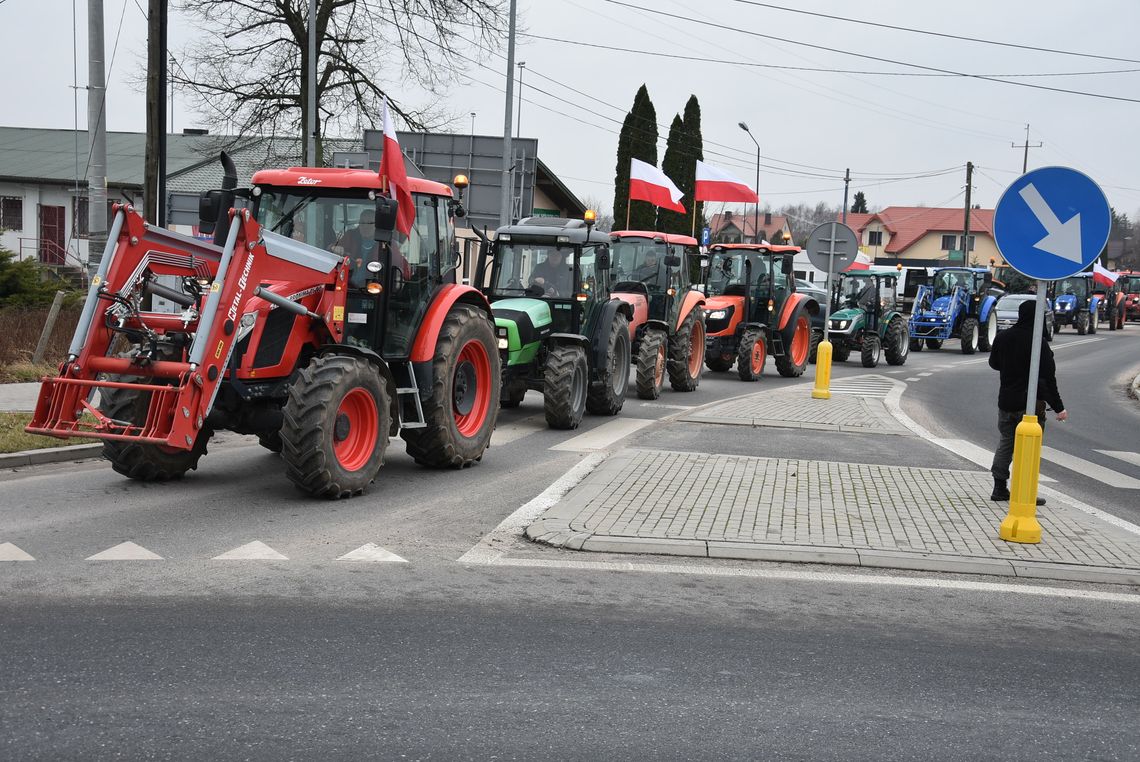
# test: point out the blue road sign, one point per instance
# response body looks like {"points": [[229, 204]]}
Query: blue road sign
{"points": [[705, 236], [1051, 222]]}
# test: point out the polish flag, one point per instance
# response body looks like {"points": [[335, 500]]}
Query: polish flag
{"points": [[861, 262], [392, 170], [648, 183], [1102, 276], [714, 184]]}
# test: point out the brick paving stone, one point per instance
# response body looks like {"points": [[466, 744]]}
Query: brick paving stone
{"points": [[795, 408]]}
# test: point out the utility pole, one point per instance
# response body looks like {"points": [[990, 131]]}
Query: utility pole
{"points": [[1026, 146], [966, 223], [505, 204], [97, 137], [311, 93], [154, 104], [846, 187], [518, 127]]}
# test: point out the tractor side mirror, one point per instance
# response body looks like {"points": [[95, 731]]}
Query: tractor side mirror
{"points": [[209, 207], [672, 261], [602, 261], [386, 210], [786, 267]]}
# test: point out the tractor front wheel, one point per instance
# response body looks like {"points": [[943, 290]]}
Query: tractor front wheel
{"points": [[840, 351], [968, 334], [718, 364], [652, 358], [687, 352], [897, 343], [750, 355], [934, 343], [916, 345], [607, 397], [335, 427], [139, 460], [270, 441], [989, 332], [797, 342], [871, 351], [564, 386], [1081, 323], [1094, 322]]}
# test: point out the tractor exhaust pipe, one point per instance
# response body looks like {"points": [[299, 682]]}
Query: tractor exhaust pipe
{"points": [[229, 183]]}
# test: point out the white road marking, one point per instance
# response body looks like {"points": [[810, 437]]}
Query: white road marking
{"points": [[913, 378], [9, 552], [975, 453], [924, 375], [251, 551], [372, 552], [1089, 469], [1065, 345], [126, 551], [896, 371], [603, 436], [1127, 457], [509, 432], [667, 407]]}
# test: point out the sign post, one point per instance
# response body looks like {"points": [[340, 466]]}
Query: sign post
{"points": [[831, 247], [1049, 224]]}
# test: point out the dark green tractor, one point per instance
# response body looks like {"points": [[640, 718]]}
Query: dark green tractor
{"points": [[865, 318], [559, 332]]}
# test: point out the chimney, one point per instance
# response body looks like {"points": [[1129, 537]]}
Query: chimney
{"points": [[767, 219], [195, 131], [728, 214]]}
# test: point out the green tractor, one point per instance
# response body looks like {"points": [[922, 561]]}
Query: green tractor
{"points": [[865, 318], [559, 331]]}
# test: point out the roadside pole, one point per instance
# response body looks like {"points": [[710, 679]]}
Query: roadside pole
{"points": [[49, 326], [822, 390], [831, 246]]}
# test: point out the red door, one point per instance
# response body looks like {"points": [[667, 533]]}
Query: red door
{"points": [[53, 234]]}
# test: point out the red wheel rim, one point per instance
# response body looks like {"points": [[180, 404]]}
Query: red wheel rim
{"points": [[356, 430], [471, 388], [758, 357], [801, 341], [696, 348], [659, 366]]}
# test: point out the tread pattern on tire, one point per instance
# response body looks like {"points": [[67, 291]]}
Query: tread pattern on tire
{"points": [[898, 343], [647, 352], [681, 352], [983, 330], [140, 460], [813, 348], [785, 366], [563, 405], [601, 399], [970, 327], [870, 350], [744, 354], [439, 444]]}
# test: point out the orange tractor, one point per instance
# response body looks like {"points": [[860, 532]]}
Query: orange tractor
{"points": [[651, 272], [308, 322], [753, 310]]}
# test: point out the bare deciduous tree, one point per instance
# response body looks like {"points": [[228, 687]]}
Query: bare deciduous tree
{"points": [[249, 68], [605, 214]]}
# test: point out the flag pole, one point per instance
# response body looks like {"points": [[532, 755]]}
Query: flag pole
{"points": [[628, 205]]}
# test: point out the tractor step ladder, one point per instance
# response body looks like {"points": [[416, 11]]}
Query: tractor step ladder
{"points": [[411, 416], [777, 343]]}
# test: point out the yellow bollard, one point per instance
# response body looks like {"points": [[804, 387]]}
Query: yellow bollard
{"points": [[1021, 524], [822, 372]]}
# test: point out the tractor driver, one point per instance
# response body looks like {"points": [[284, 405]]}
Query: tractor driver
{"points": [[647, 273], [552, 274], [359, 245]]}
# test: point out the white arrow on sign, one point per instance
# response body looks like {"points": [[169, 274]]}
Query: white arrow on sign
{"points": [[1062, 239]]}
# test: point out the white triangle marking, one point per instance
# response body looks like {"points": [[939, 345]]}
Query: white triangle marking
{"points": [[372, 552], [9, 552], [252, 551], [126, 551]]}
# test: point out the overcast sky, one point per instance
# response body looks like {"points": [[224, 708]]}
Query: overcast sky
{"points": [[811, 125]]}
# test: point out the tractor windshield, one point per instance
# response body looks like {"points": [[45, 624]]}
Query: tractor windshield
{"points": [[857, 291], [1129, 284], [1078, 287], [945, 282], [728, 272], [642, 260], [535, 269]]}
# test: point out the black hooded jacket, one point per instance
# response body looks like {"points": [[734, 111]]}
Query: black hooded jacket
{"points": [[1010, 356]]}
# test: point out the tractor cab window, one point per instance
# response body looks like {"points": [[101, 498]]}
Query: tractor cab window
{"points": [[946, 282], [728, 273], [641, 260], [410, 276], [534, 269], [1073, 286]]}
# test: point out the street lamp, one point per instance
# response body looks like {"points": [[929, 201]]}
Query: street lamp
{"points": [[756, 219]]}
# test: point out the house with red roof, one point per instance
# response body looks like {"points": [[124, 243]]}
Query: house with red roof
{"points": [[920, 236], [737, 227]]}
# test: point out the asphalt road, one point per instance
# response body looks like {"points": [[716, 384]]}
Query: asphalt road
{"points": [[549, 653]]}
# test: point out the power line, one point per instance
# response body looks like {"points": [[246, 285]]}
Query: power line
{"points": [[880, 59], [912, 30]]}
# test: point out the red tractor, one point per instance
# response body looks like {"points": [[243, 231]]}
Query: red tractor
{"points": [[308, 322], [1129, 285]]}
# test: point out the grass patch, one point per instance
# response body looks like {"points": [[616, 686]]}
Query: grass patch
{"points": [[23, 372], [13, 438]]}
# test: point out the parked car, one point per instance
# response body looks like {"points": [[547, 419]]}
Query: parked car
{"points": [[818, 293], [1007, 308]]}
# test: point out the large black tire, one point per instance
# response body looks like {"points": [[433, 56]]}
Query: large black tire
{"points": [[687, 352], [871, 350], [140, 460], [1081, 323], [797, 341], [916, 345], [968, 334], [1050, 329], [718, 364], [751, 354], [565, 379], [934, 343], [512, 395], [607, 397], [460, 413], [840, 353], [897, 346], [816, 338], [335, 426], [652, 359], [270, 440], [988, 331], [1094, 322]]}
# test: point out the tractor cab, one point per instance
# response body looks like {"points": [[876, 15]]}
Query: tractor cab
{"points": [[956, 304], [1129, 285], [865, 318]]}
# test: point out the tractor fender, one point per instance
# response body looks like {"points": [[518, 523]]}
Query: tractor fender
{"points": [[1094, 305], [792, 304], [692, 300], [599, 344], [571, 339], [423, 350], [382, 368], [987, 305]]}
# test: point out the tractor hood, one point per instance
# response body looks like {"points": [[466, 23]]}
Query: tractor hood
{"points": [[846, 320], [941, 305], [525, 323], [723, 302], [1066, 303]]}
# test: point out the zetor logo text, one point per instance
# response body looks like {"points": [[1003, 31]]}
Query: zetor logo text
{"points": [[243, 281], [302, 180]]}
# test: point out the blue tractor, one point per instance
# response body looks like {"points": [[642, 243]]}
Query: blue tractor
{"points": [[955, 305], [1075, 304]]}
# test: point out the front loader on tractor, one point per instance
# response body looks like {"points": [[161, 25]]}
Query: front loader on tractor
{"points": [[651, 274], [559, 332], [322, 355], [865, 318], [1075, 303], [753, 310], [957, 305]]}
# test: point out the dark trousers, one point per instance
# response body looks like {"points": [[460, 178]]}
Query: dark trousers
{"points": [[1007, 426]]}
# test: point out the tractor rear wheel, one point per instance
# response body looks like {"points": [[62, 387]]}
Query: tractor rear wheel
{"points": [[140, 460], [335, 427], [934, 343], [968, 334], [687, 352], [797, 341], [988, 332], [270, 441], [916, 345], [751, 354], [816, 338], [652, 358], [718, 364], [464, 403], [897, 345], [1094, 322], [871, 351], [564, 386], [1081, 323], [607, 397]]}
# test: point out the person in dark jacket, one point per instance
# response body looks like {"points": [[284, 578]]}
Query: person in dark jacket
{"points": [[1010, 356]]}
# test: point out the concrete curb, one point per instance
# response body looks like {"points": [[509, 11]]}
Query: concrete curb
{"points": [[1135, 391], [50, 455]]}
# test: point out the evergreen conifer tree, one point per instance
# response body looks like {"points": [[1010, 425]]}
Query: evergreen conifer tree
{"points": [[859, 205], [677, 166], [695, 149], [637, 140]]}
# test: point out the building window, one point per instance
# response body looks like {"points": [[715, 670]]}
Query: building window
{"points": [[971, 248], [11, 213], [875, 238], [80, 209], [949, 242]]}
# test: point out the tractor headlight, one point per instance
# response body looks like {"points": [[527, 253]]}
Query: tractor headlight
{"points": [[718, 314], [840, 325], [504, 343], [503, 337]]}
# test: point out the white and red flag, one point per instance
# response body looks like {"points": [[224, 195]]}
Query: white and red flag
{"points": [[714, 184], [392, 169], [861, 262], [1103, 276], [648, 183]]}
